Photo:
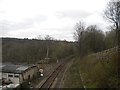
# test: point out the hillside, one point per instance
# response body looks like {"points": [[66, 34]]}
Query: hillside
{"points": [[99, 70], [31, 50]]}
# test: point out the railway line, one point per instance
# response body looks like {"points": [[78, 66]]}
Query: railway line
{"points": [[51, 79]]}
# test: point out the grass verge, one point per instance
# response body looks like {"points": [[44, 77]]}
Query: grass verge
{"points": [[97, 71]]}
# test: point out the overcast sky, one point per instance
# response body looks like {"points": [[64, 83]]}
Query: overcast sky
{"points": [[57, 18]]}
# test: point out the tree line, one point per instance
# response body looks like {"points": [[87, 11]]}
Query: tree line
{"points": [[91, 39], [30, 51]]}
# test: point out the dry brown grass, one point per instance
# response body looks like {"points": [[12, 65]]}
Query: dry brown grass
{"points": [[100, 72]]}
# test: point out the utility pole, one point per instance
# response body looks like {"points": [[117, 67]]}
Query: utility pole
{"points": [[81, 44], [47, 52]]}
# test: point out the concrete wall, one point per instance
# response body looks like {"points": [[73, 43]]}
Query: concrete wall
{"points": [[28, 75]]}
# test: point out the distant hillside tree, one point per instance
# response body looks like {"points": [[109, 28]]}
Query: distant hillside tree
{"points": [[90, 39], [112, 13]]}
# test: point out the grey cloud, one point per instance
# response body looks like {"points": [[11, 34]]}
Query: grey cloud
{"points": [[72, 14], [61, 33], [6, 26]]}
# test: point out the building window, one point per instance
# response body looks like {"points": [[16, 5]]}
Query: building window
{"points": [[10, 75], [16, 75], [4, 75]]}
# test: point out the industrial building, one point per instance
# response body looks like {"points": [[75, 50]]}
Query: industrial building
{"points": [[16, 74]]}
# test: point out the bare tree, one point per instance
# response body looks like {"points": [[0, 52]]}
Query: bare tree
{"points": [[79, 28], [39, 37], [48, 37], [112, 13]]}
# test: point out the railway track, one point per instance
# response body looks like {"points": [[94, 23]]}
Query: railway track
{"points": [[49, 82]]}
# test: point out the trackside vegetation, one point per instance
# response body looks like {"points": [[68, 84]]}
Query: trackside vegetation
{"points": [[96, 72]]}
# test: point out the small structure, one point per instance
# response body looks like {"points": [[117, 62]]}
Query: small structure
{"points": [[17, 74], [44, 61]]}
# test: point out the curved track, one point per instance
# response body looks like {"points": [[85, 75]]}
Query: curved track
{"points": [[51, 79]]}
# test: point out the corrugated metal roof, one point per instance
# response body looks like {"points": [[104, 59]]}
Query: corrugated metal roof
{"points": [[1, 66], [12, 68], [22, 68]]}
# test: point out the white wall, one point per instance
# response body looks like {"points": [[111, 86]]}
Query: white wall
{"points": [[15, 80]]}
